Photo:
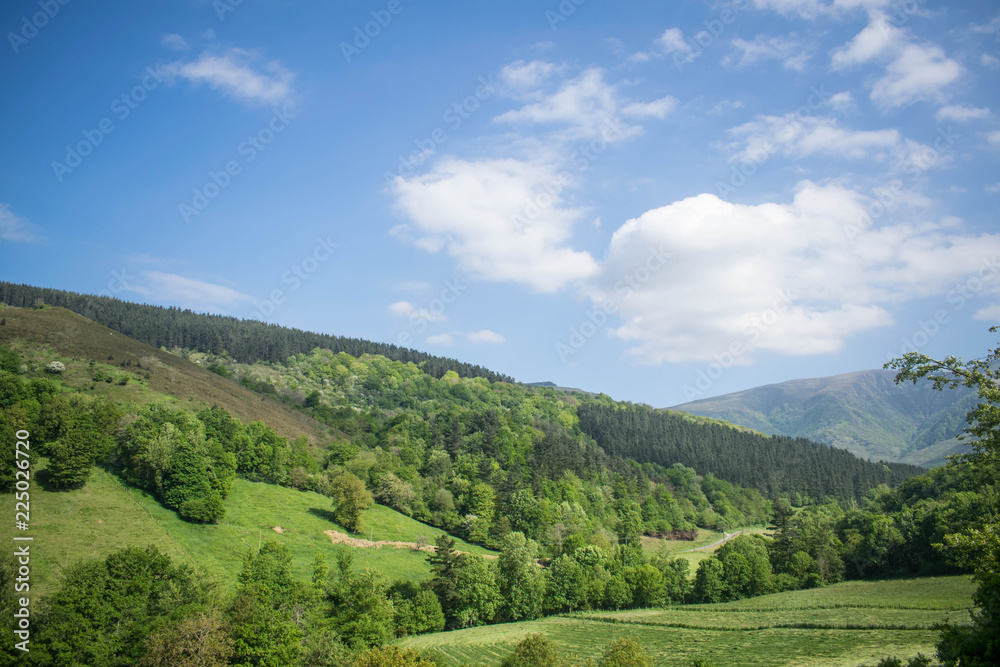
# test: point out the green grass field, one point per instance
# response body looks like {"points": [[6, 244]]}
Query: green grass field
{"points": [[106, 515], [843, 625], [683, 548]]}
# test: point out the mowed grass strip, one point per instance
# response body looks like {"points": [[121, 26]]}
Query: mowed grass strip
{"points": [[837, 625], [948, 593], [106, 515], [837, 618], [580, 640]]}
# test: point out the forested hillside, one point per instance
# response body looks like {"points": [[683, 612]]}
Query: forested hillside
{"points": [[246, 340], [564, 486], [775, 465]]}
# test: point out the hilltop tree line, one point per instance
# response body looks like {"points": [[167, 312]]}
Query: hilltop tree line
{"points": [[775, 465], [247, 340]]}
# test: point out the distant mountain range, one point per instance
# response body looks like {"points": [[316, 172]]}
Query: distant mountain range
{"points": [[553, 385], [864, 412]]}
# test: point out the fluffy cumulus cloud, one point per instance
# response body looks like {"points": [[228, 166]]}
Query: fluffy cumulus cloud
{"points": [[510, 219], [501, 220], [914, 71], [878, 38], [236, 74], [796, 278], [920, 73]]}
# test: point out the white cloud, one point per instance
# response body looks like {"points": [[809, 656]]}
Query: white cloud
{"points": [[794, 137], [811, 9], [914, 72], [841, 102], [582, 108], [880, 37], [484, 336], [920, 72], [571, 109], [795, 278], [655, 109], [986, 28], [990, 313], [993, 137], [440, 339], [233, 74], [14, 228], [192, 293], [788, 50], [986, 60], [672, 42], [994, 188], [502, 220], [408, 310], [961, 114], [174, 41], [520, 77], [726, 105]]}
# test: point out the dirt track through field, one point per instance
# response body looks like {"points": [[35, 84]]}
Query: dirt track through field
{"points": [[728, 536], [361, 543]]}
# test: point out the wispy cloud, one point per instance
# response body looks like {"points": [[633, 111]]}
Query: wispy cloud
{"points": [[14, 228], [767, 135], [788, 50], [189, 292], [408, 310], [233, 73], [485, 336], [961, 114], [175, 42]]}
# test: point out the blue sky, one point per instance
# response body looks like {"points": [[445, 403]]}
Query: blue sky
{"points": [[661, 201]]}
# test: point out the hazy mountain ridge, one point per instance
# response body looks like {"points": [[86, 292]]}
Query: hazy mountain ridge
{"points": [[864, 412]]}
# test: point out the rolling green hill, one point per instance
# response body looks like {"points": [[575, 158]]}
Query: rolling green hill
{"points": [[106, 514], [863, 412]]}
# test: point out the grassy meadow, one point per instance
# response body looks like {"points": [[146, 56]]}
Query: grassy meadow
{"points": [[106, 514], [842, 625]]}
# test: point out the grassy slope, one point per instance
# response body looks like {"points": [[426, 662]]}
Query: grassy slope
{"points": [[748, 632], [683, 548], [106, 515], [57, 334]]}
